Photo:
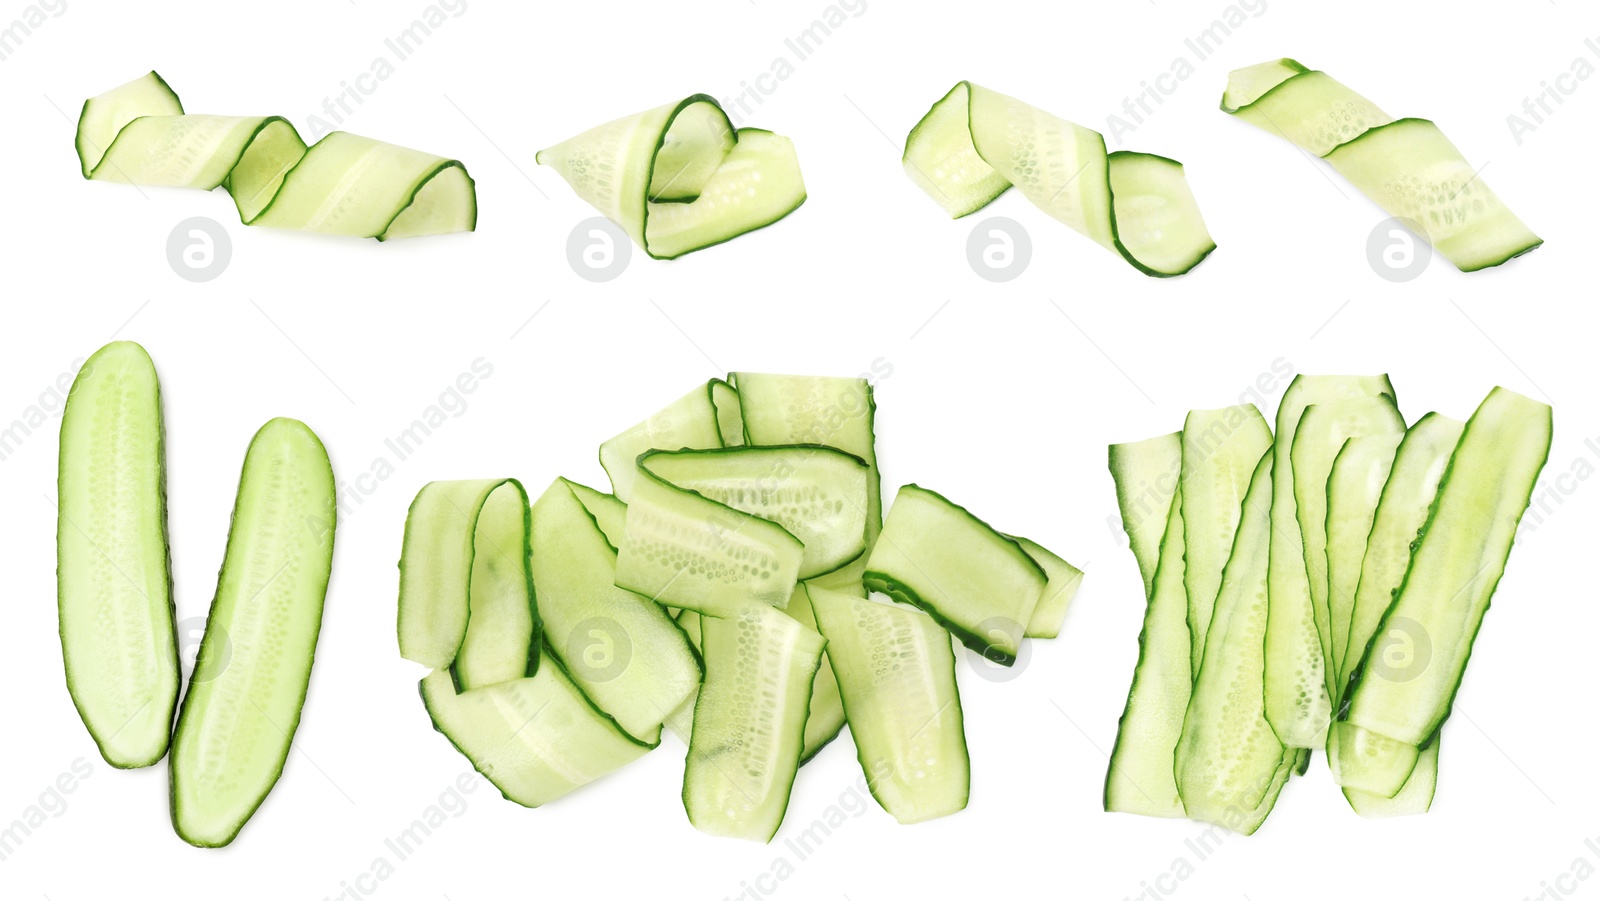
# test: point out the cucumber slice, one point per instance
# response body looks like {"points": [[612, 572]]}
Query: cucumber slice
{"points": [[681, 720], [1140, 776], [1220, 451], [1298, 704], [975, 143], [977, 582], [1406, 166], [243, 705], [692, 421], [114, 583], [818, 494], [466, 591], [1364, 761], [1355, 485], [749, 721], [535, 739], [1454, 570], [680, 178], [897, 675], [1061, 586], [825, 716], [1415, 798], [1228, 758], [610, 514], [730, 418], [622, 650], [343, 185]]}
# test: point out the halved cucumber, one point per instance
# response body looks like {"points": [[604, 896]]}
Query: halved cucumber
{"points": [[114, 584], [344, 184], [243, 705], [692, 421]]}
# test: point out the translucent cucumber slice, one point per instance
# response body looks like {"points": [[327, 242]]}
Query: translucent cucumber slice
{"points": [[825, 718], [730, 418], [1414, 798], [1369, 763], [693, 420], [1062, 580], [1355, 485], [1147, 475], [610, 514]]}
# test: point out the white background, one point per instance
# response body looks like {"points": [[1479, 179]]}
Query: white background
{"points": [[1001, 396]]}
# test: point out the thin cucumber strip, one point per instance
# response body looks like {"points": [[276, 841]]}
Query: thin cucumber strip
{"points": [[1139, 778], [1415, 798], [1246, 822], [536, 738], [681, 721], [730, 417], [817, 493], [1406, 166], [243, 705], [1355, 485], [1321, 432], [680, 178], [1228, 759], [623, 651], [1399, 691], [825, 719], [1061, 586], [897, 675], [113, 576], [466, 590], [1220, 451], [609, 513], [975, 143], [342, 185], [977, 582], [749, 721], [692, 421], [1373, 764], [1298, 704]]}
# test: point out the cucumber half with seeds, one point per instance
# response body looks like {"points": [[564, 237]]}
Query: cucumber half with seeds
{"points": [[975, 143], [342, 185], [680, 177]]}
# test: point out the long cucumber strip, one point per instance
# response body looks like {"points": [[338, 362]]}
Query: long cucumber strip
{"points": [[536, 738], [1401, 692], [730, 414], [692, 421], [622, 650], [1406, 166], [1364, 761], [1412, 799], [1355, 485], [343, 185], [609, 513], [975, 143], [749, 721], [1298, 704], [977, 582], [1062, 580], [680, 177], [1220, 451], [825, 717], [1139, 778], [897, 675], [1228, 759], [466, 590], [114, 583], [243, 705]]}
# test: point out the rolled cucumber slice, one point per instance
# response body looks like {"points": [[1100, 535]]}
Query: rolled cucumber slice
{"points": [[242, 708], [680, 177], [1061, 586], [114, 583], [692, 421], [1406, 166], [975, 143], [978, 583], [343, 185], [897, 675], [749, 721]]}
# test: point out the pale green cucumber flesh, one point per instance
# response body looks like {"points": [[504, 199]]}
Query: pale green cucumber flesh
{"points": [[1355, 486], [691, 421], [1062, 580]]}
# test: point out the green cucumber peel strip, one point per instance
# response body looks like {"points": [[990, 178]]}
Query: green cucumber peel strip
{"points": [[1406, 166], [680, 177], [344, 184], [975, 143]]}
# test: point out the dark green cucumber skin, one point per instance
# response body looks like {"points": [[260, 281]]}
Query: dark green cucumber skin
{"points": [[876, 581], [291, 727]]}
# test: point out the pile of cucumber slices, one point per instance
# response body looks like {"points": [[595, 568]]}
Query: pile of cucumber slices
{"points": [[118, 636], [1317, 586], [720, 591]]}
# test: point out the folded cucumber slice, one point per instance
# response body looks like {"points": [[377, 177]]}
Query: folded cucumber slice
{"points": [[243, 705], [680, 177], [1228, 759], [975, 143], [1355, 485], [1406, 166], [897, 675], [692, 421], [1220, 451], [749, 721], [622, 650], [609, 513], [1414, 798], [817, 493], [535, 739], [977, 582], [730, 417], [114, 585], [1366, 762], [1298, 705], [825, 716], [1399, 691], [1140, 776], [343, 185], [681, 720], [1061, 586], [466, 591]]}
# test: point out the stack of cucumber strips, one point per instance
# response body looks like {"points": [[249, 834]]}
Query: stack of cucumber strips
{"points": [[1317, 586], [118, 638], [720, 591]]}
